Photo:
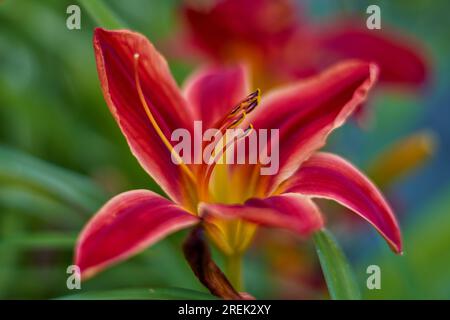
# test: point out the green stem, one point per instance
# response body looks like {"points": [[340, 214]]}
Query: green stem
{"points": [[233, 270]]}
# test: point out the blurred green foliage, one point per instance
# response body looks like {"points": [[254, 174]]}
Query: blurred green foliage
{"points": [[423, 271], [62, 156]]}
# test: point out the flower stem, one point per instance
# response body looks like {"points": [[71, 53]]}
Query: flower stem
{"points": [[233, 270]]}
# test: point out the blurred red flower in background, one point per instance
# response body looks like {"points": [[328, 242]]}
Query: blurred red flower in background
{"points": [[280, 44]]}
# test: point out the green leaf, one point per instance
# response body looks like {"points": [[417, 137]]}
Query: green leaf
{"points": [[335, 267], [32, 204], [9, 225], [142, 294], [102, 15], [49, 240], [17, 168]]}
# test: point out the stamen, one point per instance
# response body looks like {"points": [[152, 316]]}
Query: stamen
{"points": [[235, 110], [155, 125], [210, 168], [239, 112], [236, 116], [251, 106], [248, 104], [248, 130], [236, 122]]}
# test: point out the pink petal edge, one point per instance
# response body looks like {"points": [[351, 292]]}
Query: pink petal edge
{"points": [[126, 225], [328, 176]]}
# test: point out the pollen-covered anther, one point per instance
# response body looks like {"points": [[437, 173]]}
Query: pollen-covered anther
{"points": [[252, 101], [238, 114], [247, 105]]}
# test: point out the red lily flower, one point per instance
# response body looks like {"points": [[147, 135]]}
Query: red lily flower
{"points": [[147, 105], [281, 46]]}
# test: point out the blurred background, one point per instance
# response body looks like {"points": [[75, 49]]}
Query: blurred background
{"points": [[62, 156]]}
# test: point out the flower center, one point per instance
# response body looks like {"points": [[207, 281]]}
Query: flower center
{"points": [[199, 180], [236, 116]]}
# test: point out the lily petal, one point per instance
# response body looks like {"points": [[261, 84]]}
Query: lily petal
{"points": [[308, 111], [399, 59], [293, 212], [213, 92], [325, 175], [126, 225], [115, 56]]}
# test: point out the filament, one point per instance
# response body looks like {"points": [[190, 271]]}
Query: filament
{"points": [[155, 125]]}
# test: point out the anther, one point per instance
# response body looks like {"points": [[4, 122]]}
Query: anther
{"points": [[248, 104]]}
